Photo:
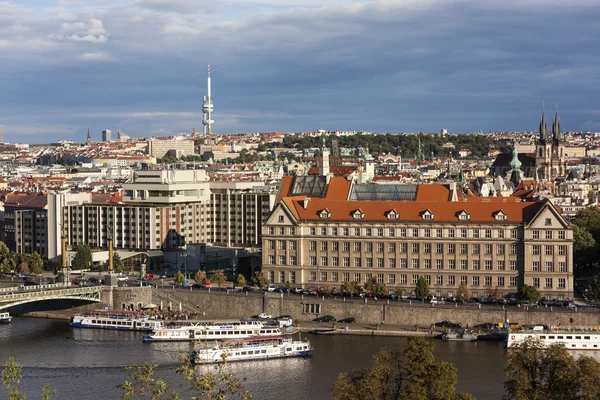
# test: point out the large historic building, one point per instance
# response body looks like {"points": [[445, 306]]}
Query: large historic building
{"points": [[327, 230]]}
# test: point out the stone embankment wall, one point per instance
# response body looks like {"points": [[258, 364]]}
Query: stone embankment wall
{"points": [[218, 304], [135, 296]]}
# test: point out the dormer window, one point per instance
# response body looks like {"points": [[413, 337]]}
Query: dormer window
{"points": [[325, 214], [427, 214], [392, 214], [500, 216], [358, 214], [463, 216]]}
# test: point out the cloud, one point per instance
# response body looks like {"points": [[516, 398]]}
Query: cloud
{"points": [[393, 65]]}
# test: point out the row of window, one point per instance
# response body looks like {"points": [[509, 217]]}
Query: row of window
{"points": [[420, 232], [403, 279], [427, 248]]}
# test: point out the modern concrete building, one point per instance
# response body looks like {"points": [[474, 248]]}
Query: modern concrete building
{"points": [[175, 146], [166, 209], [327, 233]]}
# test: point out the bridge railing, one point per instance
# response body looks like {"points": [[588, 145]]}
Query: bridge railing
{"points": [[32, 288], [50, 293]]}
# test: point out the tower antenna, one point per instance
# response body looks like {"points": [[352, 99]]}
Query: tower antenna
{"points": [[1, 133], [207, 107]]}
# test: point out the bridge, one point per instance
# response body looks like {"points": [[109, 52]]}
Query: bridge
{"points": [[16, 296]]}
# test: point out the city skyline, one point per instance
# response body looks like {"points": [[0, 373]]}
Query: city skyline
{"points": [[385, 66]]}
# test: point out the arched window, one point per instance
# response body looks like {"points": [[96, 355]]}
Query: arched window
{"points": [[124, 306]]}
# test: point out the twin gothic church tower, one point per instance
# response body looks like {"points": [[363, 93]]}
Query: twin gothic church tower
{"points": [[550, 160]]}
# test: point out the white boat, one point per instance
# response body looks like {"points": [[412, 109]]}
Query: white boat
{"points": [[572, 340], [460, 336], [119, 320], [251, 350], [214, 330], [5, 317]]}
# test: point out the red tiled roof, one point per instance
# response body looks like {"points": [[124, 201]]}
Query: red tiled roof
{"points": [[412, 210], [335, 170], [24, 200]]}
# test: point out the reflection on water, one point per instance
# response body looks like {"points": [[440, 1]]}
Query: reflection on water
{"points": [[89, 363]]}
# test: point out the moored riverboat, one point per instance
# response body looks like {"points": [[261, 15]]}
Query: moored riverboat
{"points": [[5, 318], [116, 320], [251, 350], [214, 330], [571, 340], [459, 336]]}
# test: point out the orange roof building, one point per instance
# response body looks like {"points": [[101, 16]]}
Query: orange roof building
{"points": [[325, 231]]}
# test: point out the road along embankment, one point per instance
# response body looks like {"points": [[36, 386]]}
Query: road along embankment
{"points": [[223, 304]]}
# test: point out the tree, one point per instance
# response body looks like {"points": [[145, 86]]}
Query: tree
{"points": [[493, 293], [36, 264], [259, 279], [5, 266], [412, 374], [199, 276], [529, 293], [350, 287], [373, 286], [593, 289], [463, 293], [422, 288], [83, 257], [240, 281], [4, 251], [117, 262], [288, 286], [23, 268], [179, 278], [218, 278], [536, 372], [399, 292], [12, 375]]}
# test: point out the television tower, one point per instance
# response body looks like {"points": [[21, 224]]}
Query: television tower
{"points": [[208, 108], [1, 133]]}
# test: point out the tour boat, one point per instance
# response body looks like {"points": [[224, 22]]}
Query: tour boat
{"points": [[460, 336], [214, 330], [572, 340], [5, 317], [119, 320], [251, 350]]}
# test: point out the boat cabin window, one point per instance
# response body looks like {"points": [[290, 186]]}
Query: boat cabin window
{"points": [[586, 337], [577, 337], [543, 337], [550, 337], [572, 345], [569, 337], [263, 351], [560, 337], [262, 331]]}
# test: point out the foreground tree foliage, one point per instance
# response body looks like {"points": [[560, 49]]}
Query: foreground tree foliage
{"points": [[530, 293], [214, 383], [11, 377], [83, 258], [412, 375], [422, 288], [538, 373]]}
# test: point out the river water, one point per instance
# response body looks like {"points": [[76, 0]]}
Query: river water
{"points": [[89, 364]]}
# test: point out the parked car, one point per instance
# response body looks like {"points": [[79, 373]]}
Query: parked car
{"points": [[448, 324], [435, 300], [265, 316], [347, 320], [325, 318], [297, 290]]}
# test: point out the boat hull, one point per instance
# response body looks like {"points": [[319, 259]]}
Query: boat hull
{"points": [[253, 351], [109, 327], [5, 320]]}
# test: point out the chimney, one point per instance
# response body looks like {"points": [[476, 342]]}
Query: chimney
{"points": [[305, 202]]}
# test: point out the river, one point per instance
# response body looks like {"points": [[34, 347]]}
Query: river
{"points": [[88, 364]]}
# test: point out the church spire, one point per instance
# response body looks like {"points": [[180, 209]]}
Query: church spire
{"points": [[556, 126], [88, 141], [543, 127]]}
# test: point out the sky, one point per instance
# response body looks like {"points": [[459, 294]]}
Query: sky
{"points": [[139, 66]]}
